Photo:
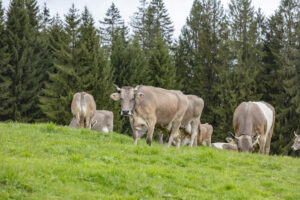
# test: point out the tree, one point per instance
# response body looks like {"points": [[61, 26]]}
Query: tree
{"points": [[22, 30], [5, 81], [64, 44], [162, 69]]}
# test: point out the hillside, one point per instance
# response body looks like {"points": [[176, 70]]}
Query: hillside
{"points": [[45, 161]]}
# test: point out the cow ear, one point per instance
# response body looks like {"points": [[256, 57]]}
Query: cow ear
{"points": [[115, 96], [140, 95], [230, 140], [137, 87]]}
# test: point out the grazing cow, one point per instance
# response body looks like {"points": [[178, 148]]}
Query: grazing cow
{"points": [[148, 106], [231, 146], [296, 145], [250, 118], [102, 121], [204, 135], [83, 107]]}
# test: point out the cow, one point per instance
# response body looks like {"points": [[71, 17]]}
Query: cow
{"points": [[231, 146], [203, 138], [296, 145], [83, 108], [191, 120], [250, 118], [102, 121], [149, 106]]}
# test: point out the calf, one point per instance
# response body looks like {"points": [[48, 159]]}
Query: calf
{"points": [[231, 146], [149, 106], [296, 145], [83, 107], [203, 138], [102, 121]]}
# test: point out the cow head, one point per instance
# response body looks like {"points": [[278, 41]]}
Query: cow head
{"points": [[296, 145], [127, 97], [245, 143]]}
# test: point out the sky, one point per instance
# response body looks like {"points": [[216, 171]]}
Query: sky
{"points": [[178, 9]]}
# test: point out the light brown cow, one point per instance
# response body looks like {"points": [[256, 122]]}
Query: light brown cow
{"points": [[203, 137], [296, 145], [191, 119], [231, 146], [149, 106], [102, 121], [83, 107], [250, 118]]}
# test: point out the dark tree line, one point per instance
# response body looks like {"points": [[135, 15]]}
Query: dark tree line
{"points": [[223, 57]]}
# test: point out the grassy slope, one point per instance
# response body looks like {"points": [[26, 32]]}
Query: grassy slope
{"points": [[45, 161]]}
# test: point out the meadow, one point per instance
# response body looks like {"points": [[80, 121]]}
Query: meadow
{"points": [[47, 161]]}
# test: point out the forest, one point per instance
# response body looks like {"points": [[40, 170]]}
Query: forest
{"points": [[223, 56]]}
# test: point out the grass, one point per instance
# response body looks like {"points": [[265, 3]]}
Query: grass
{"points": [[45, 161]]}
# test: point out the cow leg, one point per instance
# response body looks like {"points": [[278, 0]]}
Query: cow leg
{"points": [[178, 139], [262, 143], [195, 125], [268, 142], [78, 120], [151, 125], [88, 122], [175, 129], [134, 132], [81, 122], [160, 135]]}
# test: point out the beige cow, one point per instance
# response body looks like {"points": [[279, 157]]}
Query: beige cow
{"points": [[102, 121], [83, 108], [148, 107], [231, 146], [203, 138], [250, 118]]}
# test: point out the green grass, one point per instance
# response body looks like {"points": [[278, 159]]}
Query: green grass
{"points": [[45, 161]]}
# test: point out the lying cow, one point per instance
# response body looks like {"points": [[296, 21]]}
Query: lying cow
{"points": [[250, 118], [149, 106], [231, 146], [203, 138], [296, 145], [83, 108], [102, 121]]}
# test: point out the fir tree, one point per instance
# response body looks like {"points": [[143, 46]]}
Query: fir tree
{"points": [[5, 81], [162, 69]]}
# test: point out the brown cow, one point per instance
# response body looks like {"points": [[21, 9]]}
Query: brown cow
{"points": [[102, 121], [250, 118], [83, 107], [204, 135], [191, 120], [296, 145], [231, 146], [148, 106]]}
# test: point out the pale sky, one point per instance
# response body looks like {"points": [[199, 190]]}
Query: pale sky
{"points": [[178, 9]]}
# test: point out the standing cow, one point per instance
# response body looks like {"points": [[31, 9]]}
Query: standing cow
{"points": [[83, 108], [296, 145], [102, 121], [250, 118], [148, 106]]}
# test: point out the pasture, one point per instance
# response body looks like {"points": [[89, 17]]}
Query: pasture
{"points": [[46, 161]]}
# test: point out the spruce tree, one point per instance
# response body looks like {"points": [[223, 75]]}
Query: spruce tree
{"points": [[5, 81], [55, 102], [22, 30], [162, 69]]}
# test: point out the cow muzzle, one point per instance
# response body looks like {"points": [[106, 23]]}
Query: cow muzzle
{"points": [[126, 112], [293, 148]]}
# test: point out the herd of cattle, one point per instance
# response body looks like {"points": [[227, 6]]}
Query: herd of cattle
{"points": [[178, 115]]}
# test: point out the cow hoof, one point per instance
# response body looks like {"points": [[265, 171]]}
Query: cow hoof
{"points": [[149, 141]]}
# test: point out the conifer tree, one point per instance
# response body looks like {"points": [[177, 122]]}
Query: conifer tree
{"points": [[64, 43], [22, 30], [5, 82], [162, 69]]}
